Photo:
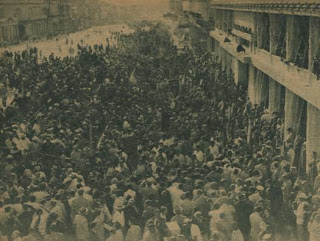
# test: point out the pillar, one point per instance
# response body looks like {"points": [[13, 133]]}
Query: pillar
{"points": [[179, 7], [224, 20], [274, 96], [240, 71], [261, 88], [252, 75], [314, 37], [313, 132], [217, 14], [223, 58], [293, 113], [229, 64], [257, 87], [228, 20], [291, 39], [215, 47], [209, 44], [275, 29], [1, 34], [294, 35], [206, 10], [187, 5], [262, 23]]}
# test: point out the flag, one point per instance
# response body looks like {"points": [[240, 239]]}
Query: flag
{"points": [[132, 78]]}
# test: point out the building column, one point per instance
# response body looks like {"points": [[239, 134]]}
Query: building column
{"points": [[240, 71], [263, 31], [1, 34], [179, 7], [206, 10], [314, 48], [17, 33], [293, 37], [229, 64], [261, 88], [171, 6], [209, 44], [251, 80], [274, 27], [313, 132], [187, 5], [274, 33], [223, 58], [216, 49], [274, 96], [294, 110], [257, 86]]}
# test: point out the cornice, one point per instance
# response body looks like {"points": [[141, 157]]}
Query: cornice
{"points": [[307, 9]]}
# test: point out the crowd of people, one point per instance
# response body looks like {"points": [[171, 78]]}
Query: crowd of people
{"points": [[140, 141]]}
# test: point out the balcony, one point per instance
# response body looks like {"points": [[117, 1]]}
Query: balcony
{"points": [[298, 80], [290, 7], [261, 1], [242, 35], [231, 48]]}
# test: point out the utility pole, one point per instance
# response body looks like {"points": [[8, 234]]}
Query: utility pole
{"points": [[48, 16]]}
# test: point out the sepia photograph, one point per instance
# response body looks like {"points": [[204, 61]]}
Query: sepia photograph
{"points": [[159, 120]]}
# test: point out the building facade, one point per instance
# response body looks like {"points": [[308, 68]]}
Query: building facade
{"points": [[281, 62], [197, 6], [176, 6], [84, 13], [32, 19]]}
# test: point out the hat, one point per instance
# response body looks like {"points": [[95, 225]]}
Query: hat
{"points": [[302, 195], [9, 157], [150, 224], [114, 181], [178, 209], [260, 188], [267, 236], [120, 206], [317, 219], [186, 220], [83, 210], [35, 138]]}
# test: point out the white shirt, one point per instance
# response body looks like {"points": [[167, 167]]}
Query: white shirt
{"points": [[196, 233], [81, 227], [237, 235]]}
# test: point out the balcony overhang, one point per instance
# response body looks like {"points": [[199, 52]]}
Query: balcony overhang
{"points": [[290, 7], [242, 35], [300, 81], [231, 48]]}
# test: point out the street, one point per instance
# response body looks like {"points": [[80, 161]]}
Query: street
{"points": [[59, 47]]}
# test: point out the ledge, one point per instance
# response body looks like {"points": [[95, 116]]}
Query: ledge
{"points": [[241, 34], [231, 48], [300, 81], [291, 7]]}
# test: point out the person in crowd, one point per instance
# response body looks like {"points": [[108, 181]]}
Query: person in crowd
{"points": [[100, 146]]}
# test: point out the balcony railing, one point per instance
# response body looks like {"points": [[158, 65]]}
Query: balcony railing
{"points": [[300, 81], [262, 1], [291, 7], [231, 47]]}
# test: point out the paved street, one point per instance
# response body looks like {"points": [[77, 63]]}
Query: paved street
{"points": [[58, 46]]}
